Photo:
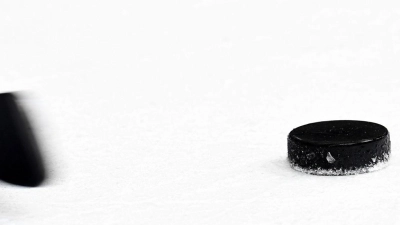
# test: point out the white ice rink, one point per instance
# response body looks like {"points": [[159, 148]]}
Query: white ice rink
{"points": [[177, 112]]}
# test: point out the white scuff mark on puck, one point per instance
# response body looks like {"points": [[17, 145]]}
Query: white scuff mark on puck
{"points": [[374, 159], [330, 158]]}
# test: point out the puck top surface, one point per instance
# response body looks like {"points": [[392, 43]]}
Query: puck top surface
{"points": [[339, 132]]}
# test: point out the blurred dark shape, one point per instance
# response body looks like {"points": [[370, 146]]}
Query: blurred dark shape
{"points": [[20, 160]]}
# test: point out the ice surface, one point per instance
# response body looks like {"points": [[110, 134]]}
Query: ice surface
{"points": [[148, 118]]}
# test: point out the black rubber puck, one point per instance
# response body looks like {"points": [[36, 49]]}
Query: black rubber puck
{"points": [[20, 159], [340, 147]]}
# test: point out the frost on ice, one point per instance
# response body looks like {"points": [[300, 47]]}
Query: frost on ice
{"points": [[330, 158]]}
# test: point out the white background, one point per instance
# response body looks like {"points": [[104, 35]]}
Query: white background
{"points": [[177, 112]]}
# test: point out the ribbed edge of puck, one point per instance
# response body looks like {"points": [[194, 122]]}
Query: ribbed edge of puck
{"points": [[380, 164]]}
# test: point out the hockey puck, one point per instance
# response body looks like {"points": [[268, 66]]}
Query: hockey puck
{"points": [[340, 147], [21, 162]]}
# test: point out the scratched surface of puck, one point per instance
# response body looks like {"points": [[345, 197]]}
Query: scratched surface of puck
{"points": [[340, 147]]}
